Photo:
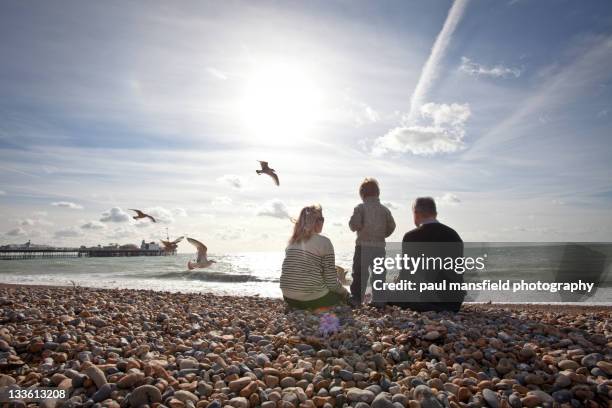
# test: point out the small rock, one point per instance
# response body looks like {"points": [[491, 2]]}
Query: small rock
{"points": [[568, 365], [96, 375], [491, 398], [145, 395], [432, 335], [355, 395]]}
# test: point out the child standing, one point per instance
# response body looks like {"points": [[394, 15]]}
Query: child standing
{"points": [[373, 223]]}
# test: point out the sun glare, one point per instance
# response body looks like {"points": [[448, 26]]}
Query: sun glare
{"points": [[280, 102]]}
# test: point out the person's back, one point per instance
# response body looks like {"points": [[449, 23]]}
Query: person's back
{"points": [[434, 240], [301, 277], [432, 232], [373, 223], [308, 278]]}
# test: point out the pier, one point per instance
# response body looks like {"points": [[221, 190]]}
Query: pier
{"points": [[54, 253]]}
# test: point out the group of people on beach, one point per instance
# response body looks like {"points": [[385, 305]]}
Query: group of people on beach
{"points": [[309, 279]]}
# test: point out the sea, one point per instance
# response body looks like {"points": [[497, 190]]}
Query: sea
{"points": [[258, 273]]}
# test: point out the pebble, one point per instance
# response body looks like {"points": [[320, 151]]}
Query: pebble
{"points": [[96, 375], [491, 398], [120, 348], [382, 400], [355, 395], [145, 395], [568, 365]]}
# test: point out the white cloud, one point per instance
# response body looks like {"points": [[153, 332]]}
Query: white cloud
{"points": [[448, 199], [120, 232], [444, 134], [221, 201], [179, 212], [161, 214], [232, 180], [16, 232], [217, 73], [115, 214], [2, 192], [273, 208], [498, 71], [28, 222], [391, 205], [70, 232], [358, 112], [67, 204], [230, 234], [442, 115], [93, 225]]}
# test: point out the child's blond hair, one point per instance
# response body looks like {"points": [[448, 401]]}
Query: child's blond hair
{"points": [[369, 188]]}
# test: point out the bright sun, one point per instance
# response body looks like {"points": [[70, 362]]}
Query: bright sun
{"points": [[280, 102]]}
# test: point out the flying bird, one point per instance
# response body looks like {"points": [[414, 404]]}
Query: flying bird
{"points": [[171, 245], [140, 214], [265, 169], [201, 261]]}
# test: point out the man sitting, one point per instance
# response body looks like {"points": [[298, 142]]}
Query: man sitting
{"points": [[432, 239]]}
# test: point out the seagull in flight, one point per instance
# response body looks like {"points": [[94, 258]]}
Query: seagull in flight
{"points": [[140, 214], [171, 245], [201, 261], [265, 169]]}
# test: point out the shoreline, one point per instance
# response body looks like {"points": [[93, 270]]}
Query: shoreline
{"points": [[127, 348]]}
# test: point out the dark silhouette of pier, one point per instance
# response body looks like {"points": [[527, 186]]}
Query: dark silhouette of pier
{"points": [[53, 253]]}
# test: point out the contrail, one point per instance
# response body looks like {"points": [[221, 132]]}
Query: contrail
{"points": [[430, 70]]}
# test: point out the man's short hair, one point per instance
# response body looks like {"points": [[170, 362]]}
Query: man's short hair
{"points": [[424, 205]]}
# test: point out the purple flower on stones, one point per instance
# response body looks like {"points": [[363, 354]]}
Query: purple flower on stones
{"points": [[329, 324]]}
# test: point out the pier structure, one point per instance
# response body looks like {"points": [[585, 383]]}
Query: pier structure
{"points": [[53, 253]]}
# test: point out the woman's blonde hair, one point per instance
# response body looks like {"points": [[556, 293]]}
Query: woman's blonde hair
{"points": [[305, 225]]}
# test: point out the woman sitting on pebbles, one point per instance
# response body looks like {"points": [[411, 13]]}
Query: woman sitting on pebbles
{"points": [[309, 279]]}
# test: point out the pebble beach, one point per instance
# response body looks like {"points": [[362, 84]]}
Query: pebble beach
{"points": [[139, 348]]}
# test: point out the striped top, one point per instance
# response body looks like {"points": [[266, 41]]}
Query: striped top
{"points": [[309, 270]]}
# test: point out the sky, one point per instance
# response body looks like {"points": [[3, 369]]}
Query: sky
{"points": [[500, 110]]}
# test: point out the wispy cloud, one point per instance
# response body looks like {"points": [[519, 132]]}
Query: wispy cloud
{"points": [[217, 73], [70, 232], [448, 199], [161, 214], [232, 180], [560, 84], [179, 212], [29, 222], [391, 205], [93, 225], [438, 51], [67, 204], [16, 232], [497, 71]]}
